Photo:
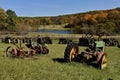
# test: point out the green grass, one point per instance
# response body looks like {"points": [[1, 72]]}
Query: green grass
{"points": [[52, 67]]}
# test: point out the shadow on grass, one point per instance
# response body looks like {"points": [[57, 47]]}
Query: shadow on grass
{"points": [[60, 60]]}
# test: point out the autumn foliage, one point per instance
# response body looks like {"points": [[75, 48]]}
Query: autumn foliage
{"points": [[94, 21]]}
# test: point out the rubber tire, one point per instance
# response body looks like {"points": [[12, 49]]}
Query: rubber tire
{"points": [[68, 49]]}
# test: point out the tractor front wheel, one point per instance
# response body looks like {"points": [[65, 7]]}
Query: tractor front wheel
{"points": [[103, 61]]}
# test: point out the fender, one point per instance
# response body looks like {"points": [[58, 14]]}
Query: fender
{"points": [[99, 56]]}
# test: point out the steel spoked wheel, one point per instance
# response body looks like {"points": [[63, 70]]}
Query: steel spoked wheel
{"points": [[45, 50], [107, 43], [103, 61], [6, 51], [116, 43], [71, 52]]}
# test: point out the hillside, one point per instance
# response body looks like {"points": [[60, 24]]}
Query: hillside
{"points": [[82, 22], [92, 21]]}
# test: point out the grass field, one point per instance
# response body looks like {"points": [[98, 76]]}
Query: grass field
{"points": [[52, 66]]}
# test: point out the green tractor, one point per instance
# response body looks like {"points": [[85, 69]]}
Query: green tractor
{"points": [[93, 55]]}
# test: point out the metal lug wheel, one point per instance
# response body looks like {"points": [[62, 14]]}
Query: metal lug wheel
{"points": [[103, 61]]}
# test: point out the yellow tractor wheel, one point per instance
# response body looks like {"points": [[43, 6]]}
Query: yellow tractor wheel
{"points": [[103, 61], [71, 52]]}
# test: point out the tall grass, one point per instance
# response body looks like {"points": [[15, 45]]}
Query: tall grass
{"points": [[52, 66]]}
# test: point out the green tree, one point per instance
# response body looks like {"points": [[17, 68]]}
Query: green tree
{"points": [[12, 20], [3, 18]]}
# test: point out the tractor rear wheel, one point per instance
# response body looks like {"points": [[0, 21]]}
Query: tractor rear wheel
{"points": [[103, 61], [71, 52]]}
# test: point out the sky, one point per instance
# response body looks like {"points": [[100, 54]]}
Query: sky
{"points": [[35, 8]]}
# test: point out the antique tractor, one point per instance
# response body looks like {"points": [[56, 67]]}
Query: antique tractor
{"points": [[44, 40], [27, 40], [19, 51], [40, 47], [7, 39], [110, 42], [11, 40], [47, 40], [93, 55], [86, 40], [64, 41]]}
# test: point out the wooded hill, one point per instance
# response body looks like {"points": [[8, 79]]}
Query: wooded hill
{"points": [[92, 21]]}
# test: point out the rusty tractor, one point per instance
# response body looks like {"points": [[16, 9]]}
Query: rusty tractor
{"points": [[93, 55], [19, 51], [47, 40], [7, 39], [64, 41], [40, 47], [86, 40], [109, 40], [27, 40], [44, 40]]}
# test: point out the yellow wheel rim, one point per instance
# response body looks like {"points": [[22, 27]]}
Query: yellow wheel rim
{"points": [[73, 54], [104, 61]]}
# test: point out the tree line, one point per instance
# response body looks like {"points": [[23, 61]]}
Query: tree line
{"points": [[92, 21]]}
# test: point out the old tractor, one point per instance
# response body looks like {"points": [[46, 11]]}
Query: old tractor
{"points": [[93, 55], [110, 42], [19, 51], [64, 41], [40, 47], [108, 39], [86, 40], [7, 39], [47, 40]]}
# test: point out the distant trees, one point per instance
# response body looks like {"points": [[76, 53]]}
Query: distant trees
{"points": [[97, 21], [94, 21], [3, 19], [11, 20]]}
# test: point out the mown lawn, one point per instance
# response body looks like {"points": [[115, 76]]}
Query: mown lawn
{"points": [[52, 67]]}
